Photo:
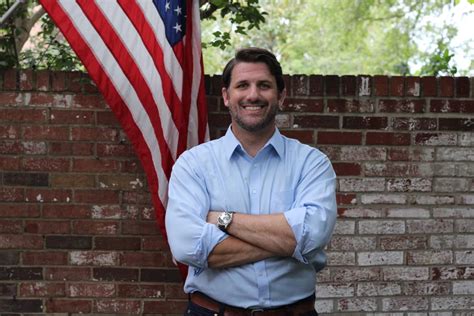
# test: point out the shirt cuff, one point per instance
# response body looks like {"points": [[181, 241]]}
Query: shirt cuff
{"points": [[210, 237], [295, 218]]}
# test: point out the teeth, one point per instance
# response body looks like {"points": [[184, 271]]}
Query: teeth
{"points": [[252, 108]]}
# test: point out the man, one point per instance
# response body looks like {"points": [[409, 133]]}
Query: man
{"points": [[251, 212]]}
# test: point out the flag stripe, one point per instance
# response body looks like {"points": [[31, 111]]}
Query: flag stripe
{"points": [[114, 80], [149, 72]]}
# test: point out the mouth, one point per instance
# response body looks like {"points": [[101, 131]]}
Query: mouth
{"points": [[253, 107]]}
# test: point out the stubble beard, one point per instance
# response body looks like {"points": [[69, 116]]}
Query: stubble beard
{"points": [[258, 126]]}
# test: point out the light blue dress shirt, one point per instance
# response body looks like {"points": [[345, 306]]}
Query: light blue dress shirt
{"points": [[285, 176]]}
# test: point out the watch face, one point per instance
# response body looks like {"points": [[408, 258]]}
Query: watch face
{"points": [[224, 218]]}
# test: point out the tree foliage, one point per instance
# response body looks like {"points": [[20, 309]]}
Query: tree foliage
{"points": [[309, 36]]}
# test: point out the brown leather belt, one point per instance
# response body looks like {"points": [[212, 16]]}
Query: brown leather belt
{"points": [[300, 307]]}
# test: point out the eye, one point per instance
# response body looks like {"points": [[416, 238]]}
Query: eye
{"points": [[241, 85], [265, 86]]}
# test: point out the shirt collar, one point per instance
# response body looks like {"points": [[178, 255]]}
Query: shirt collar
{"points": [[231, 143]]}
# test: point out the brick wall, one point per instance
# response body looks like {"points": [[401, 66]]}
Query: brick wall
{"points": [[77, 229]]}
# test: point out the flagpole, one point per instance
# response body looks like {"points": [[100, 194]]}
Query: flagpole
{"points": [[10, 11]]}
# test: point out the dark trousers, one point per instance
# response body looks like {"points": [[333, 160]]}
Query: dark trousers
{"points": [[196, 310]]}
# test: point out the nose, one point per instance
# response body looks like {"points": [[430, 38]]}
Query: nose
{"points": [[253, 93]]}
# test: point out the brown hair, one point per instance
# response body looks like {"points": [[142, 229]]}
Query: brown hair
{"points": [[255, 55]]}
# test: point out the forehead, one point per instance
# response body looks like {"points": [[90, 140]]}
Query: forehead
{"points": [[244, 71]]}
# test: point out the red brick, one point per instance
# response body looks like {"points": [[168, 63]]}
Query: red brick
{"points": [[164, 307], [299, 85], [302, 105], [450, 106], [71, 149], [462, 87], [25, 241], [414, 124], [115, 274], [347, 169], [364, 122], [66, 211], [315, 85], [11, 227], [41, 289], [12, 195], [357, 305], [158, 259], [44, 258], [115, 150], [428, 86], [452, 273], [10, 98], [342, 138], [19, 210], [24, 115], [346, 198], [457, 124], [403, 242], [68, 306], [95, 228], [47, 195], [91, 290], [446, 86], [316, 121], [42, 80], [306, 137], [356, 274], [22, 147], [39, 132], [397, 86], [41, 99], [46, 164], [108, 118], [348, 85], [72, 117], [117, 243], [331, 85], [26, 179], [155, 291], [140, 228], [380, 85], [47, 227], [96, 196], [118, 306], [94, 134], [67, 274], [95, 165], [394, 139], [402, 105], [89, 101], [412, 86], [351, 105], [405, 303], [58, 79], [73, 181], [26, 79], [10, 79], [219, 120], [74, 81], [154, 243]]}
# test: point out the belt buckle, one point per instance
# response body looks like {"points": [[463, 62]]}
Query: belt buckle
{"points": [[255, 311]]}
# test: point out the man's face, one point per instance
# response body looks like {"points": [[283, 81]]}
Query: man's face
{"points": [[252, 97]]}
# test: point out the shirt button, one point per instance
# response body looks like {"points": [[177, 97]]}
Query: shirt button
{"points": [[254, 191]]}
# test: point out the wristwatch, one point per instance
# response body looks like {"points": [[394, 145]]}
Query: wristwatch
{"points": [[224, 220]]}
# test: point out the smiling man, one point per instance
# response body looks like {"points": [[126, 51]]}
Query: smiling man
{"points": [[251, 212]]}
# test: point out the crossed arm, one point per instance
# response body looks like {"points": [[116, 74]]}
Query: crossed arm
{"points": [[252, 238]]}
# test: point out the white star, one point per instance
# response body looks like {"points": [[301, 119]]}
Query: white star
{"points": [[177, 27], [178, 10], [167, 6]]}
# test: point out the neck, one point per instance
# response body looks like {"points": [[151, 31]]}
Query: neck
{"points": [[253, 141]]}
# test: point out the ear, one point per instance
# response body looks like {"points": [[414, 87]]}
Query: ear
{"points": [[225, 96]]}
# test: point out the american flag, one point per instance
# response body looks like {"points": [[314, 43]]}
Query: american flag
{"points": [[145, 58]]}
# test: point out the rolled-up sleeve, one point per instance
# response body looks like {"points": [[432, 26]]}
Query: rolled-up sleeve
{"points": [[313, 213], [190, 237]]}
